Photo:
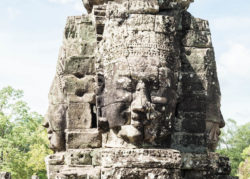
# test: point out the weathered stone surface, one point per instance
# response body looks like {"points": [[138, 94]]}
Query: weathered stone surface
{"points": [[211, 162], [86, 172], [140, 87], [74, 81], [135, 80], [34, 177], [142, 6], [140, 173], [85, 138], [191, 23], [53, 170], [79, 116], [198, 39], [189, 142], [199, 81], [141, 158], [55, 159], [78, 157], [190, 122], [5, 175]]}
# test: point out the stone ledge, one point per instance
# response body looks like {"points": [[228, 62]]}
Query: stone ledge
{"points": [[140, 173], [144, 158], [212, 162]]}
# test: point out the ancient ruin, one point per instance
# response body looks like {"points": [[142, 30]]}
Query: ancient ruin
{"points": [[136, 95], [5, 175]]}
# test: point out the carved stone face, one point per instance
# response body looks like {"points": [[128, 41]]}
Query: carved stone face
{"points": [[139, 101], [213, 131], [55, 124]]}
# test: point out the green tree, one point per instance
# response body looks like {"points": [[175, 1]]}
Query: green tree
{"points": [[23, 142], [234, 139], [244, 167]]}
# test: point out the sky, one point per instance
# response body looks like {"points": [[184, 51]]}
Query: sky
{"points": [[31, 33]]}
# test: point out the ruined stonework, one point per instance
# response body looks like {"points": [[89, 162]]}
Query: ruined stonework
{"points": [[136, 95], [5, 175]]}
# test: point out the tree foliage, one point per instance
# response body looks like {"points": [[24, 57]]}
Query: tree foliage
{"points": [[234, 139], [23, 141], [244, 168]]}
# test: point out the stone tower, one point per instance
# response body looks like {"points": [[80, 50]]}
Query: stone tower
{"points": [[136, 95]]}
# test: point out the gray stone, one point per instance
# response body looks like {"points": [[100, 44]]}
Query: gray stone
{"points": [[141, 158], [85, 138], [34, 177], [86, 172], [5, 175], [136, 95], [140, 173]]}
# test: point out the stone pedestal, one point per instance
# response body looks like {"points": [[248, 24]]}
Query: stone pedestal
{"points": [[120, 163], [116, 163]]}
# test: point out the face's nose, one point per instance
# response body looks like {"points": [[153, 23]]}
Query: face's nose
{"points": [[140, 98], [222, 122]]}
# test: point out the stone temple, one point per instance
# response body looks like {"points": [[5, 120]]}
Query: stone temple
{"points": [[136, 95]]}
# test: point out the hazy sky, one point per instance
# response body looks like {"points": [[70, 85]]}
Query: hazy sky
{"points": [[31, 34]]}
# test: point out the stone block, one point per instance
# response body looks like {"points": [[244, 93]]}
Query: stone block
{"points": [[210, 165], [140, 22], [174, 4], [199, 39], [78, 157], [142, 158], [188, 142], [56, 117], [78, 86], [55, 159], [85, 138], [53, 170], [192, 82], [80, 66], [96, 155], [191, 23], [219, 164], [164, 24], [79, 116], [197, 60], [56, 95], [195, 161], [117, 10], [87, 172], [192, 103], [79, 38], [143, 7], [140, 173], [225, 177], [190, 122]]}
